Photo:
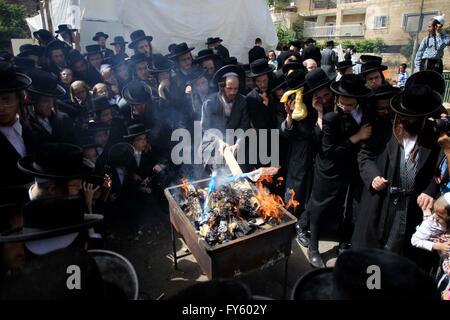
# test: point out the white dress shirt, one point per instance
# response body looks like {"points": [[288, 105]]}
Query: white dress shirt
{"points": [[14, 135]]}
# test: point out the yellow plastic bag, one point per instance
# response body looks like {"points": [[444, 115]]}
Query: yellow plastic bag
{"points": [[300, 110]]}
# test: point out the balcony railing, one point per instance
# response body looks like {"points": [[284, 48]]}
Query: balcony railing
{"points": [[324, 4], [347, 30], [350, 1]]}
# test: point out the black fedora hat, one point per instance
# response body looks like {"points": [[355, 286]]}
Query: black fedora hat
{"points": [[206, 54], [139, 58], [310, 40], [385, 91], [55, 45], [136, 130], [278, 82], [43, 35], [180, 49], [121, 155], [295, 80], [100, 104], [401, 279], [119, 40], [117, 60], [50, 218], [74, 56], [417, 101], [316, 80], [329, 43], [296, 43], [161, 64], [65, 28], [367, 57], [31, 50], [230, 70], [100, 34], [351, 85], [45, 84], [212, 40], [292, 65], [231, 61], [137, 92], [10, 80], [56, 161], [432, 78], [260, 67], [93, 49], [345, 64], [372, 66], [137, 36]]}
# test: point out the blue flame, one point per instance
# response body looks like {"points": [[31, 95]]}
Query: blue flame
{"points": [[211, 188]]}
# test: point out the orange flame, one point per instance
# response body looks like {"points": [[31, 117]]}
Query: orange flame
{"points": [[185, 187], [269, 204], [292, 203]]}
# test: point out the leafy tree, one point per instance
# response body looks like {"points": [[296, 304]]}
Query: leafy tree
{"points": [[12, 23], [285, 35]]}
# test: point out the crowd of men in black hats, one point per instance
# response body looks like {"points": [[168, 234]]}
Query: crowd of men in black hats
{"points": [[84, 134]]}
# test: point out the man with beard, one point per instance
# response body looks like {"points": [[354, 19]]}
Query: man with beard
{"points": [[216, 45], [82, 69], [100, 38], [209, 61], [141, 43], [56, 55]]}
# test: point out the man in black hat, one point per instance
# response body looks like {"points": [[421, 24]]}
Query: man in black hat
{"points": [[44, 37], [100, 38], [16, 140], [209, 61], [296, 46], [48, 124], [372, 71], [104, 115], [141, 43], [226, 109], [257, 52], [94, 55], [119, 46], [329, 60], [312, 52], [343, 68], [216, 45], [56, 54], [182, 56], [67, 34], [139, 65], [199, 84], [121, 70], [82, 69], [33, 52], [398, 176]]}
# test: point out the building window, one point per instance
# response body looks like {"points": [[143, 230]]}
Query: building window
{"points": [[380, 22], [412, 21]]}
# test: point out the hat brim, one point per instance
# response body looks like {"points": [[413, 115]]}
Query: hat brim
{"points": [[133, 43], [345, 67], [58, 92], [312, 90], [378, 68], [398, 107], [130, 100], [117, 270], [314, 285], [131, 136], [269, 69], [87, 54], [176, 55], [337, 89], [429, 77], [21, 82], [207, 57], [26, 165], [122, 43], [100, 35], [230, 69], [67, 30], [30, 234]]}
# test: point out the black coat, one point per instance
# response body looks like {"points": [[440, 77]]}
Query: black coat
{"points": [[62, 130], [380, 157], [223, 52], [312, 52], [256, 53], [108, 53], [261, 116], [9, 172]]}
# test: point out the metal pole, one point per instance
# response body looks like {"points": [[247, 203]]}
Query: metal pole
{"points": [[41, 10], [49, 18], [416, 39]]}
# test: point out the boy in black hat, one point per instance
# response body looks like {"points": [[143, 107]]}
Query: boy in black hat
{"points": [[16, 140], [343, 68], [100, 38], [372, 71], [104, 115], [94, 55]]}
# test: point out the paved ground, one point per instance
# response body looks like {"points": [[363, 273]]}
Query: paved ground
{"points": [[146, 242]]}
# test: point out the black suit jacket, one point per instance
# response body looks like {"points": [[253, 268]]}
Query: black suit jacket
{"points": [[223, 52], [256, 53], [62, 130]]}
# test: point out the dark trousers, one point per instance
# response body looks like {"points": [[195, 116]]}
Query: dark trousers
{"points": [[432, 64]]}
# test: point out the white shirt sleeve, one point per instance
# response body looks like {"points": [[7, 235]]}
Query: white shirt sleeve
{"points": [[421, 238]]}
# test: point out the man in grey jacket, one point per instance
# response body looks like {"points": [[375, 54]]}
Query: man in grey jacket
{"points": [[329, 60]]}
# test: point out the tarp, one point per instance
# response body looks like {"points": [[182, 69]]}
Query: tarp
{"points": [[237, 22]]}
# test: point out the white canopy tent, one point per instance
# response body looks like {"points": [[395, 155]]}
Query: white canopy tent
{"points": [[237, 22]]}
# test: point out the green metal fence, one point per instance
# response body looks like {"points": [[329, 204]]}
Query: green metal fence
{"points": [[447, 87]]}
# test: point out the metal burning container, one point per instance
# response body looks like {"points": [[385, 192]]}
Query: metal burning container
{"points": [[260, 249]]}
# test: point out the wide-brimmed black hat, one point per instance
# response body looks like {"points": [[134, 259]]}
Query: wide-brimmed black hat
{"points": [[400, 279], [345, 64], [316, 80], [230, 70], [100, 34], [292, 65], [45, 84], [12, 200], [74, 56], [231, 61], [10, 80], [295, 80], [385, 91], [372, 66], [55, 45], [43, 35], [329, 43], [56, 161], [136, 130], [52, 217], [31, 50], [137, 36], [161, 64], [367, 57], [119, 40], [351, 85], [117, 60], [93, 49], [428, 77], [278, 82], [206, 54], [138, 58], [137, 92], [310, 40], [121, 155], [296, 43], [417, 101], [180, 49], [260, 67], [65, 28], [213, 40], [100, 104]]}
